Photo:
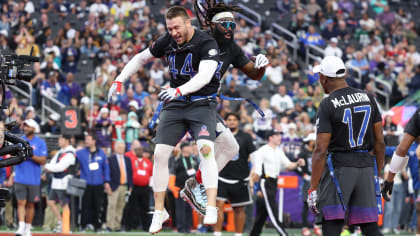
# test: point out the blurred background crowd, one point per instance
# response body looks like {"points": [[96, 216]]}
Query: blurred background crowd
{"points": [[84, 44]]}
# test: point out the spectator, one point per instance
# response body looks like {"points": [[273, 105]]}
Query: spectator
{"points": [[414, 84], [183, 167], [98, 8], [263, 124], [312, 7], [75, 91], [274, 71], [132, 127], [312, 37], [52, 126], [129, 97], [121, 185], [387, 17], [51, 87], [232, 92], [330, 31], [94, 168], [70, 58], [138, 204], [98, 89], [332, 49], [103, 129], [291, 142], [378, 6], [361, 63], [28, 178], [281, 102]]}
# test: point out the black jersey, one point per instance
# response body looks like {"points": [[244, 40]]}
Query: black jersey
{"points": [[348, 114], [238, 168], [230, 54], [184, 60], [413, 126]]}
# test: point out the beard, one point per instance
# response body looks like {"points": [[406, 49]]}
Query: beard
{"points": [[220, 36]]}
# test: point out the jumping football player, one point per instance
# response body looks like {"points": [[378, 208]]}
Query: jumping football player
{"points": [[190, 104]]}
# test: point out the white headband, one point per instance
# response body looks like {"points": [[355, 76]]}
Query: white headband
{"points": [[220, 15]]}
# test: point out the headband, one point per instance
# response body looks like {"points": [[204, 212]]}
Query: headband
{"points": [[221, 15]]}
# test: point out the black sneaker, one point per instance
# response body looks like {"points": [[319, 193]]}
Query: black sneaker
{"points": [[195, 194]]}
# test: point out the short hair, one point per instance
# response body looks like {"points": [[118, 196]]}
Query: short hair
{"points": [[92, 135], [176, 11], [232, 114]]}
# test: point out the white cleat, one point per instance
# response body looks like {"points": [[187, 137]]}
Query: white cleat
{"points": [[211, 216], [158, 218], [20, 232]]}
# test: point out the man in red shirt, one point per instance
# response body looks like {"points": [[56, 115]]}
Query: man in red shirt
{"points": [[138, 204]]}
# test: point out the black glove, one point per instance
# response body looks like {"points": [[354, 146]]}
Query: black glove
{"points": [[387, 189]]}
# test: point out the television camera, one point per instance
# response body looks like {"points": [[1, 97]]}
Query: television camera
{"points": [[13, 68]]}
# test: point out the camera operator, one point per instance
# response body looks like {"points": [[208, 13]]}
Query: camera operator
{"points": [[27, 177]]}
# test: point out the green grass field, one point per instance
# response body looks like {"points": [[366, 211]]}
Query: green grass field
{"points": [[268, 232]]}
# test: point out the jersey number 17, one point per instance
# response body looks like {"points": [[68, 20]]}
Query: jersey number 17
{"points": [[348, 120]]}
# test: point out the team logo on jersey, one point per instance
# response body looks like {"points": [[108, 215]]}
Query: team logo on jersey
{"points": [[213, 52], [204, 131]]}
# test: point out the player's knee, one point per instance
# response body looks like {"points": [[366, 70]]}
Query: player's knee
{"points": [[162, 153], [206, 148]]}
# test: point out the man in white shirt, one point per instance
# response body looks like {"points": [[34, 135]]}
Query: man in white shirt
{"points": [[98, 8], [274, 72], [332, 49], [281, 102], [269, 160], [61, 167]]}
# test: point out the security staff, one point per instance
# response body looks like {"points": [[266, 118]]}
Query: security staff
{"points": [[269, 161], [94, 169]]}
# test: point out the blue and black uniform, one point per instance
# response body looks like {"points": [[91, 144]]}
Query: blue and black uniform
{"points": [[195, 112], [347, 187]]}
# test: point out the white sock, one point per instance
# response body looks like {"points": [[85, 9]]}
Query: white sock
{"points": [[226, 147], [199, 226], [217, 233], [160, 167], [28, 227], [21, 224], [208, 165], [238, 234]]}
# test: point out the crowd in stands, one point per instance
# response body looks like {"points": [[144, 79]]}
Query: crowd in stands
{"points": [[76, 39]]}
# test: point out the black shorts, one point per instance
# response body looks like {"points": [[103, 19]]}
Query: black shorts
{"points": [[30, 193], [59, 196], [178, 117], [358, 190], [238, 194]]}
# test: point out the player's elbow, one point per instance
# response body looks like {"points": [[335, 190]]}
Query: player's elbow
{"points": [[320, 153]]}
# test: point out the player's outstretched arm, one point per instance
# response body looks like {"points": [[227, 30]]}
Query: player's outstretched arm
{"points": [[256, 70], [132, 67]]}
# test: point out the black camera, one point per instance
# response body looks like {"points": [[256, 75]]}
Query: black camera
{"points": [[14, 67]]}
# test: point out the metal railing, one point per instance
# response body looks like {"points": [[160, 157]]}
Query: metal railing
{"points": [[249, 15], [314, 53], [279, 32], [355, 73], [23, 92], [385, 92], [50, 105]]}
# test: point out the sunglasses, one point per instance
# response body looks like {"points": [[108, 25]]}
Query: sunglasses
{"points": [[227, 24]]}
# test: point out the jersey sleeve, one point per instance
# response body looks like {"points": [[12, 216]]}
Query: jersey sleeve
{"points": [[209, 50], [158, 47], [323, 121], [240, 59], [412, 127], [250, 145], [376, 114]]}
